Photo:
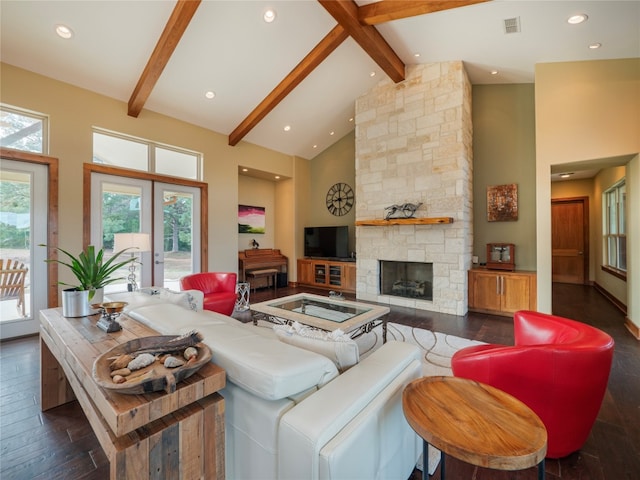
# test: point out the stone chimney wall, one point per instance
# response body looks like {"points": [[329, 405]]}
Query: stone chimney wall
{"points": [[414, 144]]}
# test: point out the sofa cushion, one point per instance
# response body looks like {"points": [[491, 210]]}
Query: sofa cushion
{"points": [[336, 345], [172, 319], [264, 366]]}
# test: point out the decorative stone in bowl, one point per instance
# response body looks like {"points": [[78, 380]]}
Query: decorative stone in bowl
{"points": [[151, 364]]}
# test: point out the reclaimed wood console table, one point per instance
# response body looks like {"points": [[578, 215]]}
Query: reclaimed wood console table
{"points": [[156, 435]]}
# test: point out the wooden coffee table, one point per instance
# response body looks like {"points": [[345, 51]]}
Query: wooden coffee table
{"points": [[153, 435], [475, 423]]}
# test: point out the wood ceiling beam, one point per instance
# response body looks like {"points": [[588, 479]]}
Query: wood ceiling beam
{"points": [[321, 51], [345, 12], [387, 11], [174, 29]]}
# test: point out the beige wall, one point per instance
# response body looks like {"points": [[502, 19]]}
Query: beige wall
{"points": [[335, 164], [633, 256], [582, 188], [585, 111], [258, 193], [73, 112], [504, 153]]}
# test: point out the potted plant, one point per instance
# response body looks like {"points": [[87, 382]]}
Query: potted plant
{"points": [[93, 273]]}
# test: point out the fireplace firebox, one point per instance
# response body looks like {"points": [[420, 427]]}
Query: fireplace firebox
{"points": [[407, 279]]}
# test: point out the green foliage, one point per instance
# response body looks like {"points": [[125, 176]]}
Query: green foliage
{"points": [[91, 270]]}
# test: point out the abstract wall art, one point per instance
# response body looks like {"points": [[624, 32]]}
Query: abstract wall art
{"points": [[502, 203], [251, 219]]}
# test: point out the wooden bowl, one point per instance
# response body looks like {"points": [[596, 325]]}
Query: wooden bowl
{"points": [[152, 378]]}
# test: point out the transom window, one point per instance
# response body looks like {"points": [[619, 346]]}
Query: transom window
{"points": [[615, 227], [122, 151], [23, 130]]}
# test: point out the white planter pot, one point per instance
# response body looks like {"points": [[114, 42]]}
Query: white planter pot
{"points": [[75, 303]]}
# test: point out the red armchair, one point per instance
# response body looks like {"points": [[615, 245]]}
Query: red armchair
{"points": [[558, 367], [219, 289]]}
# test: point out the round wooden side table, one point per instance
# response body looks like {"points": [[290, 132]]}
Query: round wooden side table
{"points": [[475, 423]]}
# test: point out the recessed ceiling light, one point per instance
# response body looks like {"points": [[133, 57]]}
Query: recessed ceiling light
{"points": [[315, 146], [245, 169], [210, 94], [595, 46], [494, 72], [416, 54], [566, 175], [277, 177], [372, 74], [351, 119], [576, 19], [64, 32], [331, 133], [287, 128], [269, 15]]}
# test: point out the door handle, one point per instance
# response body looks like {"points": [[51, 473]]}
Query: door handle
{"points": [[580, 253], [158, 262]]}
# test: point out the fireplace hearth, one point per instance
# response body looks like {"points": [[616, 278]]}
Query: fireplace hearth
{"points": [[406, 279]]}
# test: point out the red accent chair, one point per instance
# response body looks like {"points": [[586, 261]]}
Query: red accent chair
{"points": [[558, 367], [219, 289]]}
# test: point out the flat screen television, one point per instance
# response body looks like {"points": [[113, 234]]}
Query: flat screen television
{"points": [[326, 242]]}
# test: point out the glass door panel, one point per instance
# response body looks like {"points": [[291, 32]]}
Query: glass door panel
{"points": [[177, 233], [23, 226], [124, 206]]}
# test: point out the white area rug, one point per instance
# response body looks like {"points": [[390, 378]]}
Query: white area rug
{"points": [[437, 348]]}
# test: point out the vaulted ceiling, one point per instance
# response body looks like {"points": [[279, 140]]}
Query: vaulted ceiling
{"points": [[306, 68]]}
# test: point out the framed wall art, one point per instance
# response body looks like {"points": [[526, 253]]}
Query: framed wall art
{"points": [[251, 219], [502, 203]]}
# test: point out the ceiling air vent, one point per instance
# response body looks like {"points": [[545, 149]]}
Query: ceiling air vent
{"points": [[512, 25]]}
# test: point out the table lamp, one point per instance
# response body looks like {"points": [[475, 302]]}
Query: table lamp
{"points": [[141, 243]]}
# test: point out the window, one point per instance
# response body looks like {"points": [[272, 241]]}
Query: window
{"points": [[23, 130], [128, 152], [615, 227]]}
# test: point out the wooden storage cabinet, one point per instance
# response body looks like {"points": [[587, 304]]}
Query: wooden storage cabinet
{"points": [[500, 292], [333, 275]]}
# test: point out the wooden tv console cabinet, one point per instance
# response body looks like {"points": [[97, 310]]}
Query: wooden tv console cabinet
{"points": [[329, 274], [176, 435]]}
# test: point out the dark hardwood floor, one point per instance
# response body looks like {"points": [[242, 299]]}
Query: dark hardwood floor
{"points": [[59, 444]]}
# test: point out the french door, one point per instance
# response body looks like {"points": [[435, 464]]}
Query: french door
{"points": [[23, 215], [167, 212]]}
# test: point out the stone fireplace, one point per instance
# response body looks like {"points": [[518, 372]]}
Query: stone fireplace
{"points": [[414, 144]]}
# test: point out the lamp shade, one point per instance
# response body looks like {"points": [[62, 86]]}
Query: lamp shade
{"points": [[139, 241]]}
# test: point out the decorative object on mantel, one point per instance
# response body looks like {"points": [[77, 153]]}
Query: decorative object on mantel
{"points": [[408, 210], [151, 364], [501, 256], [502, 203], [404, 221]]}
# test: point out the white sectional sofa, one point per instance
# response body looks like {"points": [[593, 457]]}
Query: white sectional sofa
{"points": [[289, 413]]}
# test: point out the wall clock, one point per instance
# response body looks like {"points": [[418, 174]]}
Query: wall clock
{"points": [[340, 199]]}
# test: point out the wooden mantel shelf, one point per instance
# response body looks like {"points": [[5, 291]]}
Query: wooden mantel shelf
{"points": [[404, 221]]}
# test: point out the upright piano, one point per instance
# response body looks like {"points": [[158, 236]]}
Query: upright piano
{"points": [[258, 259]]}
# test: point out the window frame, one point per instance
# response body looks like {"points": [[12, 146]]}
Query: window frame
{"points": [[151, 153], [614, 226], [44, 119]]}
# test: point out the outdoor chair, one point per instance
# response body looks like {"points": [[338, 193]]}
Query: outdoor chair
{"points": [[12, 277]]}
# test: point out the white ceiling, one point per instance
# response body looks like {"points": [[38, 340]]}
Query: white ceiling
{"points": [[229, 49]]}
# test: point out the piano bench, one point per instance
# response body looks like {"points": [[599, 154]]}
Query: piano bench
{"points": [[270, 273]]}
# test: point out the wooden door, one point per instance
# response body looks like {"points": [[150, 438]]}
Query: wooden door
{"points": [[569, 240]]}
